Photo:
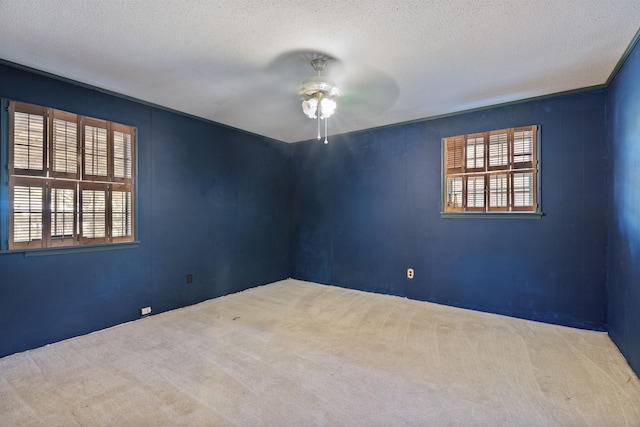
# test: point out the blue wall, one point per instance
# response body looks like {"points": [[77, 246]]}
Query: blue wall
{"points": [[213, 202], [366, 207], [623, 286]]}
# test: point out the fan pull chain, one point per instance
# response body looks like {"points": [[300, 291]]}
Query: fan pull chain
{"points": [[326, 141], [318, 113]]}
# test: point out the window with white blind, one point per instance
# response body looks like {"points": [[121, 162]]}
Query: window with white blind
{"points": [[71, 179], [491, 172]]}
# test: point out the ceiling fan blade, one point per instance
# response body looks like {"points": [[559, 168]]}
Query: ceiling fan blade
{"points": [[367, 91]]}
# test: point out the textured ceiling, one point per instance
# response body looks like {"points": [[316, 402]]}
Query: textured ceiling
{"points": [[240, 62]]}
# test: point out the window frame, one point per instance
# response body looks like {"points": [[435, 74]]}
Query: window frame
{"points": [[49, 180], [463, 172]]}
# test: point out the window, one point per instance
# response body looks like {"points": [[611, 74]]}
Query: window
{"points": [[493, 171], [71, 179]]}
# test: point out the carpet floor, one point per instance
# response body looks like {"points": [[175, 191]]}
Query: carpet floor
{"points": [[295, 353]]}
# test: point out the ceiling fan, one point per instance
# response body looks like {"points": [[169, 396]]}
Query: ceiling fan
{"points": [[346, 90], [320, 96]]}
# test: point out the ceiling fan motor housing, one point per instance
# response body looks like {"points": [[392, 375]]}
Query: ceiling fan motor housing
{"points": [[315, 85]]}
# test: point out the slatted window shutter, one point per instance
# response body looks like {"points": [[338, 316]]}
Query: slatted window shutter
{"points": [[454, 193], [27, 210], [454, 163], [523, 191], [475, 193], [121, 202], [498, 192], [28, 133], [454, 148], [96, 149], [63, 215], [499, 173], [524, 164], [523, 147], [64, 145], [121, 212], [498, 150], [122, 153], [475, 152], [93, 213]]}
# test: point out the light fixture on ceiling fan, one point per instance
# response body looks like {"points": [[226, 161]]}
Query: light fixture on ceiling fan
{"points": [[319, 96]]}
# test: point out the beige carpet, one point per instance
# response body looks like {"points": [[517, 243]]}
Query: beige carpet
{"points": [[294, 354]]}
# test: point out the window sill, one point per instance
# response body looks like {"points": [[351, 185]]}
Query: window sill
{"points": [[72, 249], [502, 215]]}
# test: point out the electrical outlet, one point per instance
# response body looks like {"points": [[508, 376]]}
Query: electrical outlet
{"points": [[189, 278], [410, 273], [145, 310]]}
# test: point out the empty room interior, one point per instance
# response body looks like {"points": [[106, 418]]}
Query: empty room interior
{"points": [[335, 213]]}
